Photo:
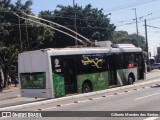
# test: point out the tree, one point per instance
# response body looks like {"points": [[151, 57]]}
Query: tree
{"points": [[91, 23], [17, 35], [122, 37], [141, 39]]}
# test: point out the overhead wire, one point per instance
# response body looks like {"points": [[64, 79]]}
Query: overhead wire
{"points": [[59, 26], [51, 28], [94, 19], [130, 5], [130, 23]]}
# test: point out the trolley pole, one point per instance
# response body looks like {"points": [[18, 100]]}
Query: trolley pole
{"points": [[148, 64]]}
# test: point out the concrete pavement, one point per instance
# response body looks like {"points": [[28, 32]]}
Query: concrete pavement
{"points": [[150, 79]]}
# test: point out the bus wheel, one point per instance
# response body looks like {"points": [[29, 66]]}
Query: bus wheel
{"points": [[86, 87], [130, 81]]}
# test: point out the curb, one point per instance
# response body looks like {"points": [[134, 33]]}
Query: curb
{"points": [[27, 105]]}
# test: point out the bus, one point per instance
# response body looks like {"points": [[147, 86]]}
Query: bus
{"points": [[57, 72]]}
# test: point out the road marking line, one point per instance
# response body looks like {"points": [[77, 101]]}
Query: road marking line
{"points": [[151, 118], [48, 108], [13, 92], [84, 101], [147, 96], [56, 106]]}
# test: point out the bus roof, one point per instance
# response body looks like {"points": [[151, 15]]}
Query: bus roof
{"points": [[88, 50]]}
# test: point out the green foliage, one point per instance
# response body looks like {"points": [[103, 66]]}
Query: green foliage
{"points": [[17, 35], [90, 22], [124, 37], [120, 37]]}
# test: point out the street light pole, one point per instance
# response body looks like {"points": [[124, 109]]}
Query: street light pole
{"points": [[138, 43], [75, 25]]}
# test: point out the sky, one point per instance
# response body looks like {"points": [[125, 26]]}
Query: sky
{"points": [[122, 15]]}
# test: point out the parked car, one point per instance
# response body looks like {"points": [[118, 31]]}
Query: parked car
{"points": [[155, 66]]}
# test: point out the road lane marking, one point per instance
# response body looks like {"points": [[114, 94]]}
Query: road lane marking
{"points": [[151, 118], [147, 96]]}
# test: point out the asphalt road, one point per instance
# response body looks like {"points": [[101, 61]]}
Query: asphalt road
{"points": [[134, 100], [142, 99], [12, 97]]}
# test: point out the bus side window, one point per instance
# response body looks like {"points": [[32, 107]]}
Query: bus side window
{"points": [[111, 62], [80, 66], [127, 59], [106, 62]]}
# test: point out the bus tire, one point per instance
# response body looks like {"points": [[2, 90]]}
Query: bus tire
{"points": [[130, 80], [86, 87]]}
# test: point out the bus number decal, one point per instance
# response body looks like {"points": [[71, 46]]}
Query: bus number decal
{"points": [[58, 70]]}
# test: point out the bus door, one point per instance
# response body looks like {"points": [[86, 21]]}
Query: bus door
{"points": [[70, 75], [140, 66], [112, 71]]}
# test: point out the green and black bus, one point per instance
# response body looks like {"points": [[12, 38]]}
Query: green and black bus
{"points": [[52, 73]]}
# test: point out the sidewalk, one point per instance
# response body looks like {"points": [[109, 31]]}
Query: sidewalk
{"points": [[9, 88], [153, 74]]}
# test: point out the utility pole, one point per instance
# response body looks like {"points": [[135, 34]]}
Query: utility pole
{"points": [[75, 25], [138, 43], [148, 64]]}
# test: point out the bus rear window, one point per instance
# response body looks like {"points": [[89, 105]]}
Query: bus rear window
{"points": [[35, 80]]}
